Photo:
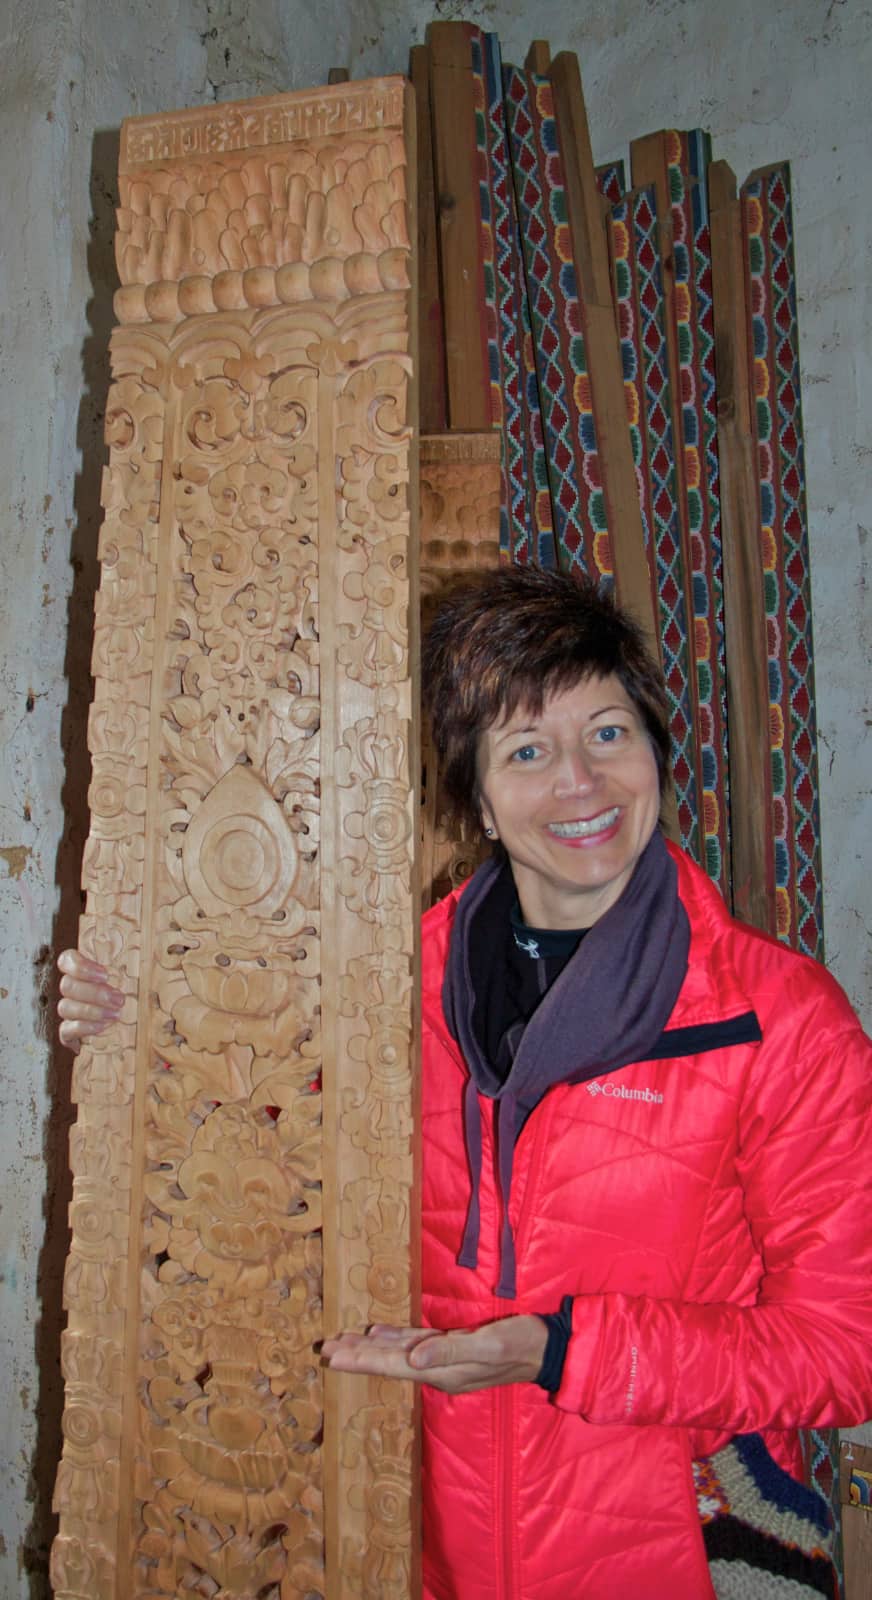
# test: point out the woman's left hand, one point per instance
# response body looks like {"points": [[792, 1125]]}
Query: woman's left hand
{"points": [[508, 1351]]}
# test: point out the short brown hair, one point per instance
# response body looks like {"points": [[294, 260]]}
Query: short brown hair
{"points": [[514, 637]]}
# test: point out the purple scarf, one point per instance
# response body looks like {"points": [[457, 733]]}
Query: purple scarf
{"points": [[608, 1007]]}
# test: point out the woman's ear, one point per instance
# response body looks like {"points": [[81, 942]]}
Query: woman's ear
{"points": [[487, 821]]}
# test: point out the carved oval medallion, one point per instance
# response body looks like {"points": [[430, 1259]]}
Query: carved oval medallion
{"points": [[239, 851]]}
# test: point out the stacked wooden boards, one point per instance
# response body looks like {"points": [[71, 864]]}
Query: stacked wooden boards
{"points": [[636, 351]]}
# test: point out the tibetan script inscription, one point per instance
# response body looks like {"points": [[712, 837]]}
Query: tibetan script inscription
{"points": [[243, 1155]]}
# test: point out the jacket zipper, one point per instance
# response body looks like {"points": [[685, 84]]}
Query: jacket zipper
{"points": [[506, 1399], [505, 1497]]}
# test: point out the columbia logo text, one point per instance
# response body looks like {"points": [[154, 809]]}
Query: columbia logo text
{"points": [[619, 1091]]}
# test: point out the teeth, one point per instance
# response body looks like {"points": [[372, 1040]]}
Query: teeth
{"points": [[583, 830]]}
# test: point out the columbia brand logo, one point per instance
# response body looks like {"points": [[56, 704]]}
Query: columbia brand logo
{"points": [[619, 1091]]}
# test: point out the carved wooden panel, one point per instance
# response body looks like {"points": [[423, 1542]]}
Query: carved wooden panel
{"points": [[243, 1157], [461, 485]]}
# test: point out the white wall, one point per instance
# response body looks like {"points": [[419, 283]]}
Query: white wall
{"points": [[791, 79]]}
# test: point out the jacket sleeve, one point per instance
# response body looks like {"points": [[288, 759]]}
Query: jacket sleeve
{"points": [[801, 1354]]}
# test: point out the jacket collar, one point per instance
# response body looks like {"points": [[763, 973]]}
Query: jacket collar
{"points": [[711, 992]]}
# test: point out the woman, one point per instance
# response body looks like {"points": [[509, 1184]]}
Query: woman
{"points": [[644, 1127]]}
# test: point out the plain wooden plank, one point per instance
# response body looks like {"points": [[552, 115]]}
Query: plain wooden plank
{"points": [[538, 60], [586, 211], [453, 114], [744, 609], [431, 332], [590, 250]]}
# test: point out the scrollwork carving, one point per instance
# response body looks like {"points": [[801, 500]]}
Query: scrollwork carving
{"points": [[460, 528], [250, 868]]}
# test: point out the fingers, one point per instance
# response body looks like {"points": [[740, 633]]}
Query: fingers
{"points": [[74, 1034], [78, 965], [89, 1002], [361, 1352], [98, 1001], [407, 1338], [68, 1034]]}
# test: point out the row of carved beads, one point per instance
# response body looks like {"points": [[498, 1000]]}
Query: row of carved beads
{"points": [[331, 279]]}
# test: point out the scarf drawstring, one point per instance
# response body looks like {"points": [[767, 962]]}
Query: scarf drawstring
{"points": [[504, 1289], [468, 1256]]}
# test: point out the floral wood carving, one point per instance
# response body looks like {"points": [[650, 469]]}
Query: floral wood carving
{"points": [[243, 1157], [461, 487]]}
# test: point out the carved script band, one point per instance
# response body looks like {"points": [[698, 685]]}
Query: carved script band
{"points": [[213, 130]]}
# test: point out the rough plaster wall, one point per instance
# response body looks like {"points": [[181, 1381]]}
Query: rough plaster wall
{"points": [[68, 74], [790, 80]]}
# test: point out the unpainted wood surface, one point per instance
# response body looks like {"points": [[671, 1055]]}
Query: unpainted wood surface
{"points": [[590, 250], [431, 332], [243, 1157], [453, 113], [460, 530]]}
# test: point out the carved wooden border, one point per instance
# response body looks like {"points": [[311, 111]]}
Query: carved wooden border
{"points": [[244, 1147], [461, 490]]}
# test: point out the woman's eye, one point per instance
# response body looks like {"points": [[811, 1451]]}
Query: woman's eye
{"points": [[608, 734], [527, 752]]}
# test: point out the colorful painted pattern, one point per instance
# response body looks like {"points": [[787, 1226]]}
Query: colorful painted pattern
{"points": [[821, 1450], [561, 362], [502, 289], [537, 460], [768, 228], [641, 320], [611, 181], [687, 157]]}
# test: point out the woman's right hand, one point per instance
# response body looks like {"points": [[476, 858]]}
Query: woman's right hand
{"points": [[89, 1002]]}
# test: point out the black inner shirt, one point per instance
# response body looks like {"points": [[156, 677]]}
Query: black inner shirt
{"points": [[523, 964]]}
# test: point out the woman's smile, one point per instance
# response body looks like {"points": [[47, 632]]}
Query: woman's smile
{"points": [[587, 828]]}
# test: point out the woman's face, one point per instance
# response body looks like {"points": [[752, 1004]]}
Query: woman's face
{"points": [[574, 796]]}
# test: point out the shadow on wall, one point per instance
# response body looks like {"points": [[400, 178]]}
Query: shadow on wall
{"points": [[77, 663]]}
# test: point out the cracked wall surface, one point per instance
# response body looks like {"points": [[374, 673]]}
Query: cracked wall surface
{"points": [[788, 80]]}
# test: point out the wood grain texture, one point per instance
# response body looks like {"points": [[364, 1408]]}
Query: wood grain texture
{"points": [[590, 250], [538, 57], [243, 1158], [752, 849], [431, 331], [460, 536], [453, 113]]}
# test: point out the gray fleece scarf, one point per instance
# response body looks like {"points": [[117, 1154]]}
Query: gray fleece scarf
{"points": [[608, 1007]]}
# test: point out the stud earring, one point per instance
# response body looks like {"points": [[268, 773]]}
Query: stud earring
{"points": [[489, 833]]}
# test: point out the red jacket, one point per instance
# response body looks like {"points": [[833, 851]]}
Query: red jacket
{"points": [[707, 1212]]}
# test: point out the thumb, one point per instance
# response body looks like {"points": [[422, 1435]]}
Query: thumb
{"points": [[434, 1352]]}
